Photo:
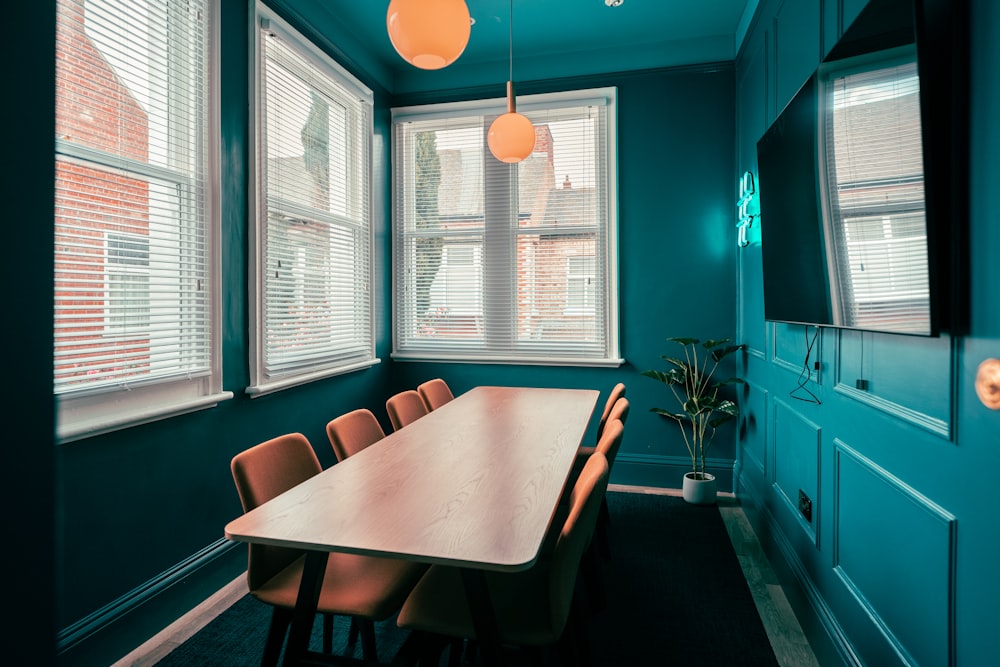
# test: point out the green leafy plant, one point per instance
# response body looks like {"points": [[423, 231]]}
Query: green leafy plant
{"points": [[697, 394]]}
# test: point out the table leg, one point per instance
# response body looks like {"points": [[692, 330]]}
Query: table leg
{"points": [[483, 616], [305, 607]]}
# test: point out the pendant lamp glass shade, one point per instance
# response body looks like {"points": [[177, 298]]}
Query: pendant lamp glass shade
{"points": [[512, 136], [429, 34]]}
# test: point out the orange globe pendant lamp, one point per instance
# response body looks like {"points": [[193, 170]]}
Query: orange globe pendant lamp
{"points": [[429, 34], [511, 137]]}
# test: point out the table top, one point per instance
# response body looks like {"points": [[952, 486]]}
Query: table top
{"points": [[475, 483]]}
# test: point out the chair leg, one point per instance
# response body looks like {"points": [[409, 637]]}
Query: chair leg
{"points": [[327, 633], [367, 629], [280, 620], [352, 633]]}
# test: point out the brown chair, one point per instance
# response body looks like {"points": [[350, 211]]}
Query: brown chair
{"points": [[537, 607], [405, 408], [365, 588], [351, 432], [609, 444], [618, 391], [620, 412], [435, 393]]}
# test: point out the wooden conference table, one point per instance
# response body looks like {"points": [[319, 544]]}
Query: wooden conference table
{"points": [[473, 484]]}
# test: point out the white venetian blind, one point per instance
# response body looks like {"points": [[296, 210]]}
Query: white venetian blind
{"points": [[314, 312], [876, 185], [497, 262], [132, 288]]}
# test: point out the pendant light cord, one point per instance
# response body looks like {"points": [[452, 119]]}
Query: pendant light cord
{"points": [[510, 41]]}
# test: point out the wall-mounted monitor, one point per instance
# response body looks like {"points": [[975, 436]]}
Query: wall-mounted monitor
{"points": [[862, 179]]}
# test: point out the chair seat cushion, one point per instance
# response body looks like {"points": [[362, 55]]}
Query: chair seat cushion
{"points": [[353, 585], [438, 604]]}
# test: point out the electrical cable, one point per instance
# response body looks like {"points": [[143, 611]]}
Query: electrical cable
{"points": [[806, 374]]}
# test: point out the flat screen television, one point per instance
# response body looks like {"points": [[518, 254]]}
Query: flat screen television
{"points": [[861, 179]]}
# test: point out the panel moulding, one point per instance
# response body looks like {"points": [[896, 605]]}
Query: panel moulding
{"points": [[912, 600], [754, 426], [940, 426], [803, 453]]}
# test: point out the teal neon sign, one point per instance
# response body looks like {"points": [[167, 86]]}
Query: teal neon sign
{"points": [[745, 212]]}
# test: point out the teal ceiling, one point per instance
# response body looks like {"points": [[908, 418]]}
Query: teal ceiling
{"points": [[550, 37]]}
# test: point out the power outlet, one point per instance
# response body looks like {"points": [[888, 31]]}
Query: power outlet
{"points": [[805, 506]]}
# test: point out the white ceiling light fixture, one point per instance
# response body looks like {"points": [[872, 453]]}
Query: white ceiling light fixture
{"points": [[512, 136], [614, 3]]}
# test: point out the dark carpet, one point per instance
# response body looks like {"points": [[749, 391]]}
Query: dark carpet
{"points": [[675, 596]]}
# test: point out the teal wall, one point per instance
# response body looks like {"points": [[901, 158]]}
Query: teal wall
{"points": [[140, 511], [898, 564], [27, 410]]}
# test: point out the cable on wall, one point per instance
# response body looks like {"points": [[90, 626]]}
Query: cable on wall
{"points": [[806, 374]]}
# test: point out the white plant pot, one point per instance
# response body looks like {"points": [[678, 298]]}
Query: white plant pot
{"points": [[699, 491]]}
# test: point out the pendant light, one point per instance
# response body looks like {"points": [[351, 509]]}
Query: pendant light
{"points": [[512, 136], [429, 34]]}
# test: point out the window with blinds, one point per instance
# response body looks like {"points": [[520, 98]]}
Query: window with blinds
{"points": [[312, 237], [134, 216], [506, 263], [875, 185]]}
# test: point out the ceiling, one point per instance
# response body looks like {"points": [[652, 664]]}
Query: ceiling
{"points": [[554, 37]]}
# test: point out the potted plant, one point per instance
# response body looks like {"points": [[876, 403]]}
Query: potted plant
{"points": [[701, 411]]}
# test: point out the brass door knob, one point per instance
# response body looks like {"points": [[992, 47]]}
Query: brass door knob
{"points": [[988, 383]]}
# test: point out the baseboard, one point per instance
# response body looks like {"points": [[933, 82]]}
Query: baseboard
{"points": [[115, 629], [824, 632]]}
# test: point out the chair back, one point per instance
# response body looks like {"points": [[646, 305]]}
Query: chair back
{"points": [[435, 393], [618, 391], [351, 432], [261, 473], [611, 440], [578, 529], [405, 408], [620, 411]]}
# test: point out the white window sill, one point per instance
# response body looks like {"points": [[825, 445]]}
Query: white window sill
{"points": [[81, 429], [264, 388], [507, 360]]}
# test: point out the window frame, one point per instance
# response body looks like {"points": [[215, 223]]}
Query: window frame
{"points": [[128, 243], [266, 20], [513, 350], [87, 411]]}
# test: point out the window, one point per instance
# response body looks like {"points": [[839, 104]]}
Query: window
{"points": [[135, 218], [506, 263], [580, 297], [127, 263], [875, 178], [312, 237]]}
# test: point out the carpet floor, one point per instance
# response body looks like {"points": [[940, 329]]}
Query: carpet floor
{"points": [[675, 595]]}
